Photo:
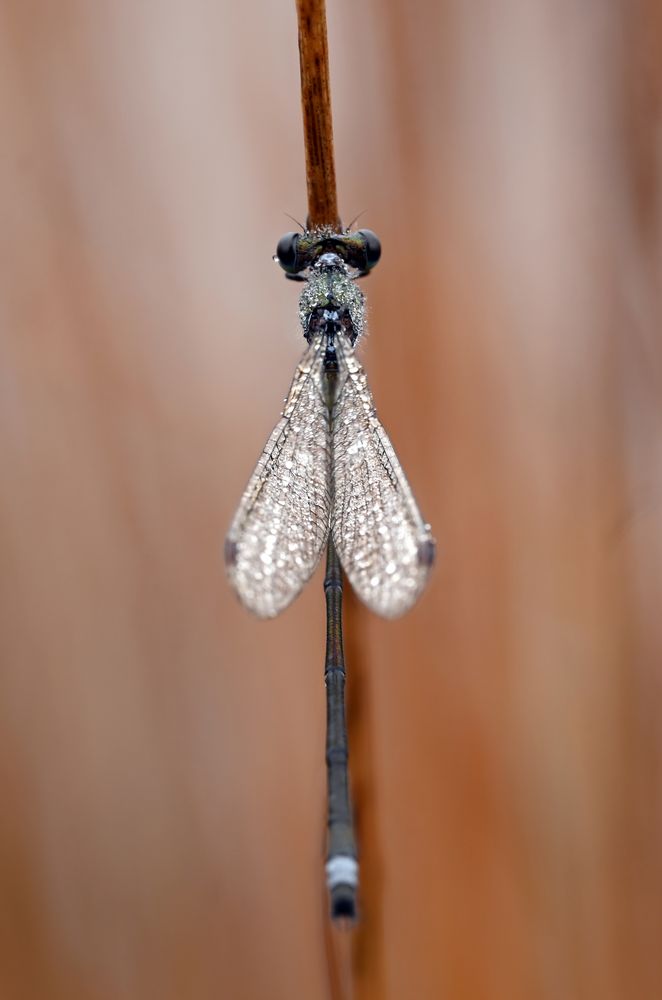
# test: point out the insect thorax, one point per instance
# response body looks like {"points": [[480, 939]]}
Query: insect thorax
{"points": [[331, 296]]}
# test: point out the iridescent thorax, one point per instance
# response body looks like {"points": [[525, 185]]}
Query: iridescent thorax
{"points": [[330, 287]]}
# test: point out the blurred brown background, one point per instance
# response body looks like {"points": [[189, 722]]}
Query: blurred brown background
{"points": [[161, 752]]}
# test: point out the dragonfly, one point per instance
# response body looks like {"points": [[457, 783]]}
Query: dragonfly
{"points": [[328, 468]]}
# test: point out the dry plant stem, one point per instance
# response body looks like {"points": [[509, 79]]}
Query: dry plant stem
{"points": [[316, 107]]}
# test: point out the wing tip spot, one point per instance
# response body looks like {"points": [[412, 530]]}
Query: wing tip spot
{"points": [[230, 552], [427, 551]]}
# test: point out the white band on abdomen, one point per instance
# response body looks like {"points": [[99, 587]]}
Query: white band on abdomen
{"points": [[342, 869]]}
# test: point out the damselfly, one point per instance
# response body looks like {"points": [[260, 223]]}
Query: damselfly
{"points": [[328, 465]]}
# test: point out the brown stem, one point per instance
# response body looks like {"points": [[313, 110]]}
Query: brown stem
{"points": [[316, 107]]}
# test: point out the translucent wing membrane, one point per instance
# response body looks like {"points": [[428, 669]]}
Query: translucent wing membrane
{"points": [[278, 533], [384, 545]]}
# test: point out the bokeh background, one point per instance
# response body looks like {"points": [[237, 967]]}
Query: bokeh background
{"points": [[161, 753]]}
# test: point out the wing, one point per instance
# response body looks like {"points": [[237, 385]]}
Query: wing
{"points": [[282, 523], [384, 545]]}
